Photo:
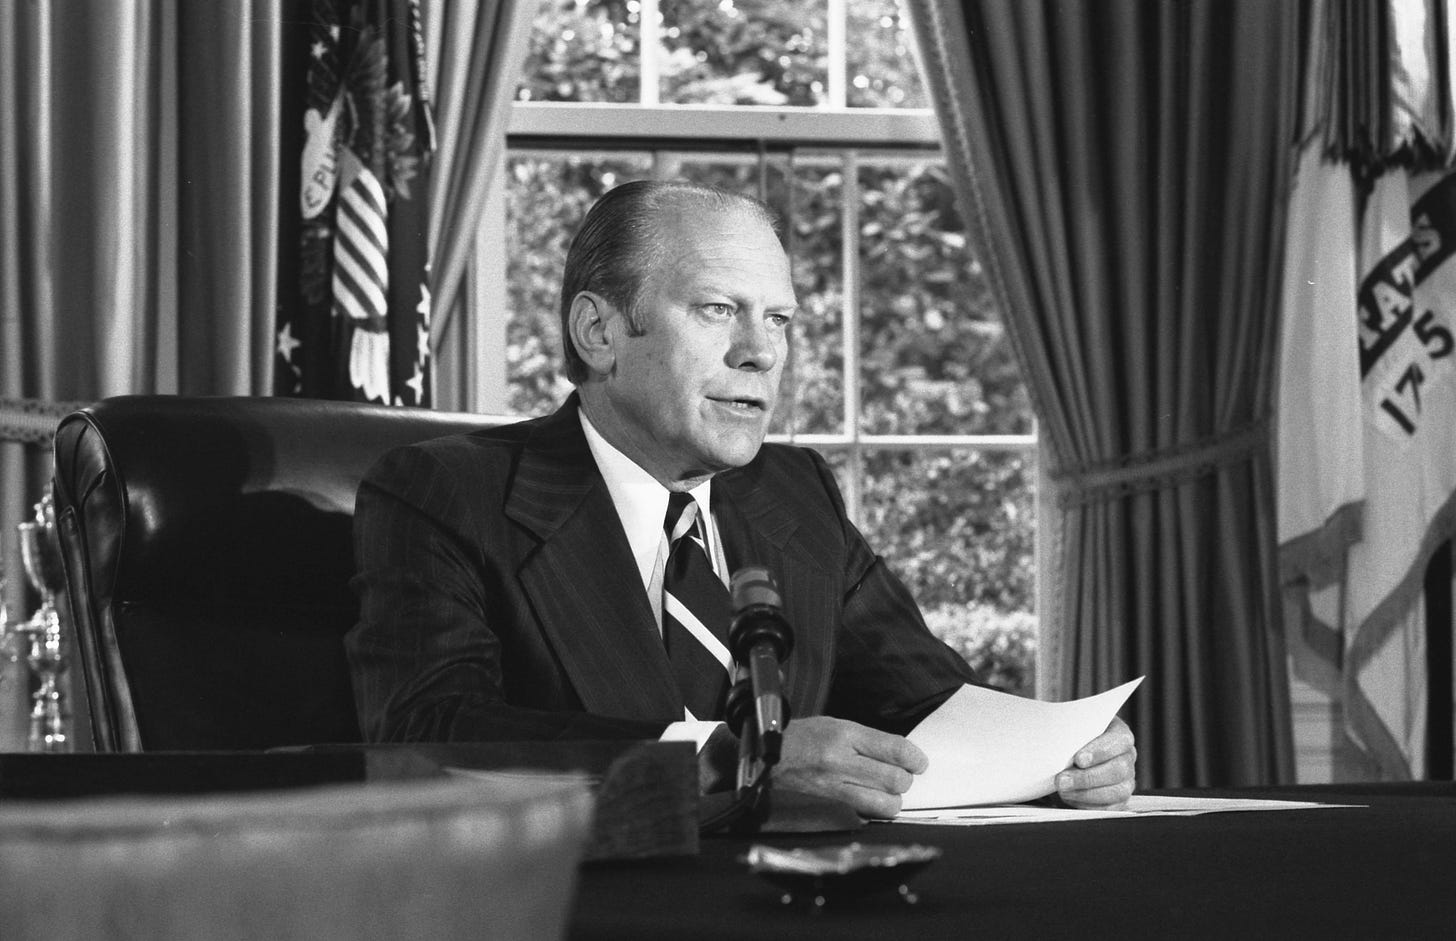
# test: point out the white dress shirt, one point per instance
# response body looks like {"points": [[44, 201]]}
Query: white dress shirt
{"points": [[641, 504]]}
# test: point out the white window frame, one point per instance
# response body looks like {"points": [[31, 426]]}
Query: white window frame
{"points": [[671, 129]]}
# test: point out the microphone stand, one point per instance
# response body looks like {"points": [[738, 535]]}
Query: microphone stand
{"points": [[755, 759], [751, 802], [758, 713]]}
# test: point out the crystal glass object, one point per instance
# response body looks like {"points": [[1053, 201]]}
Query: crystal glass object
{"points": [[40, 552]]}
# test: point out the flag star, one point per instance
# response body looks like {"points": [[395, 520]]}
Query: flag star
{"points": [[423, 308], [423, 351], [334, 32], [286, 343], [417, 383], [318, 49]]}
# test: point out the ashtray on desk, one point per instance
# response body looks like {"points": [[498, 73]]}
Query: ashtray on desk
{"points": [[850, 869]]}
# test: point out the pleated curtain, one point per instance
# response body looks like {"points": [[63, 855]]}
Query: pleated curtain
{"points": [[476, 50], [1124, 164], [138, 154]]}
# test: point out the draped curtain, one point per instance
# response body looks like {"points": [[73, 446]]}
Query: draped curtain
{"points": [[476, 50], [1125, 164], [138, 212]]}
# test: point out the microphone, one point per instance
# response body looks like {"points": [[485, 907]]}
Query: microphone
{"points": [[760, 639]]}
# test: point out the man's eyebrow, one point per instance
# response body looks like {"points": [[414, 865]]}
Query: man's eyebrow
{"points": [[741, 298]]}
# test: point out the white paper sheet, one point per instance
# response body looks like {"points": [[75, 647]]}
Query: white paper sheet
{"points": [[1141, 805], [989, 747]]}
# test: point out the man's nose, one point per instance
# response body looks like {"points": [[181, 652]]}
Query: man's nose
{"points": [[753, 347]]}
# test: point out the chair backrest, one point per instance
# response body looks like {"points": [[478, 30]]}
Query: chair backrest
{"points": [[207, 545]]}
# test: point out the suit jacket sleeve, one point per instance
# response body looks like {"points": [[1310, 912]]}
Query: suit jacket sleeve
{"points": [[439, 615], [890, 671]]}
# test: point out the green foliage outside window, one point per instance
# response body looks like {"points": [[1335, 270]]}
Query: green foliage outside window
{"points": [[737, 52], [957, 524]]}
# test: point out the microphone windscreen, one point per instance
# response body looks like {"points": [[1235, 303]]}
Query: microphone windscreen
{"points": [[753, 586]]}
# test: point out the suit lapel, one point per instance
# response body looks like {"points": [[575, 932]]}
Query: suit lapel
{"points": [[758, 528], [582, 581]]}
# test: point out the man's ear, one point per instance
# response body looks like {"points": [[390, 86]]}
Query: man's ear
{"points": [[590, 316]]}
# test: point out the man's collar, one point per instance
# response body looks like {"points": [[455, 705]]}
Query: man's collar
{"points": [[622, 473], [558, 470], [641, 501]]}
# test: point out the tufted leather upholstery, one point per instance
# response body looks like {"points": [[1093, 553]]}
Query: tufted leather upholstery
{"points": [[207, 544]]}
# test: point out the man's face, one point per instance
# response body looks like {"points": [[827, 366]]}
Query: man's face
{"points": [[693, 394]]}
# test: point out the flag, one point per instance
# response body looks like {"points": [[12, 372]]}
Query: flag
{"points": [[1406, 314], [1367, 397], [1357, 535], [354, 312], [1320, 445]]}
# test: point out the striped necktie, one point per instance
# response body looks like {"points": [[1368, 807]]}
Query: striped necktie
{"points": [[695, 612]]}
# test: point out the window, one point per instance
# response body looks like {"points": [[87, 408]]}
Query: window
{"points": [[899, 372]]}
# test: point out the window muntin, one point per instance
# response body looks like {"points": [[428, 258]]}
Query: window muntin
{"points": [[833, 53], [899, 368]]}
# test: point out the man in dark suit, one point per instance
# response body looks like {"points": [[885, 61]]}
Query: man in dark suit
{"points": [[512, 581]]}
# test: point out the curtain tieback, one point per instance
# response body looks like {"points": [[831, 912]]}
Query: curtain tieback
{"points": [[1160, 469], [33, 421]]}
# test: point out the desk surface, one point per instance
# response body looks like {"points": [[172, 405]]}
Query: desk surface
{"points": [[1384, 871]]}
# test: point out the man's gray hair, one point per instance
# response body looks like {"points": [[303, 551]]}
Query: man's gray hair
{"points": [[621, 242]]}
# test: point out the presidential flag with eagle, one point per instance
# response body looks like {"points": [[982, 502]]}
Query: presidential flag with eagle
{"points": [[354, 310]]}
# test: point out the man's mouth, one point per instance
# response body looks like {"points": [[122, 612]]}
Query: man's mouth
{"points": [[747, 404]]}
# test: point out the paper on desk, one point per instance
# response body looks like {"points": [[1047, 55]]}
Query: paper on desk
{"points": [[989, 747], [1140, 805], [528, 777]]}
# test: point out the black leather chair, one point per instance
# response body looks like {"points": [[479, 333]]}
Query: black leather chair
{"points": [[208, 555]]}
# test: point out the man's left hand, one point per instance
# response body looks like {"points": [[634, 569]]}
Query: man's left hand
{"points": [[1102, 775]]}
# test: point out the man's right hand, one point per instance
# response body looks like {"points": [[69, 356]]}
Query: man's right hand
{"points": [[863, 767]]}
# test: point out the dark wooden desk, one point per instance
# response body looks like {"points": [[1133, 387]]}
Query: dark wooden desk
{"points": [[1383, 871], [1386, 871]]}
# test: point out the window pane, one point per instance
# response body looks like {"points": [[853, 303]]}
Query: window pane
{"points": [[959, 528], [744, 52], [583, 50], [547, 197], [814, 385], [736, 173], [883, 72], [934, 355]]}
